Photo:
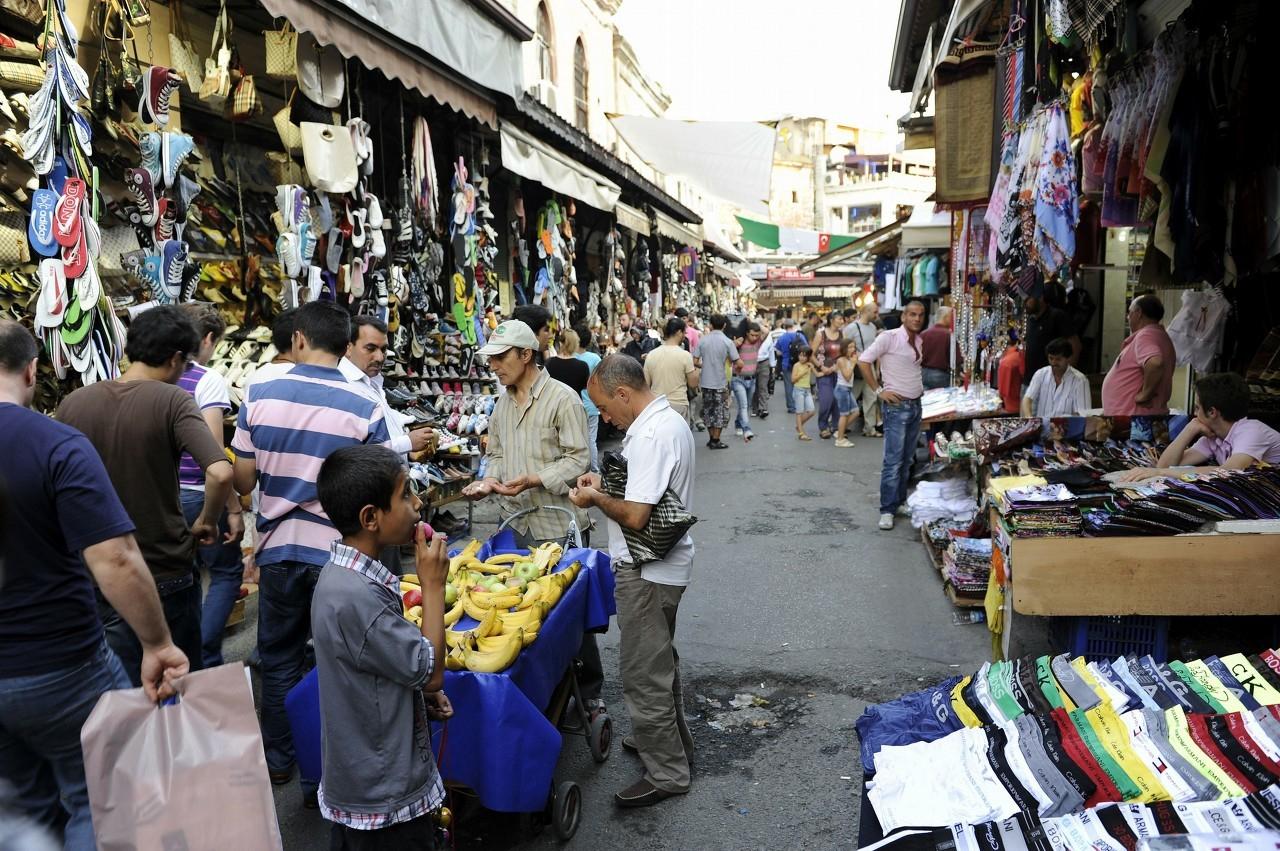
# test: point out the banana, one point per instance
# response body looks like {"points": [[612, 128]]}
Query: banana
{"points": [[548, 591], [494, 601], [505, 558], [536, 592], [453, 638], [529, 618], [489, 624], [493, 661], [454, 614], [468, 554], [470, 606], [455, 661], [488, 567], [496, 642], [411, 579]]}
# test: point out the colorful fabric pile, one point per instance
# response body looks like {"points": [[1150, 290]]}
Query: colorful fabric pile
{"points": [[1023, 747], [967, 564]]}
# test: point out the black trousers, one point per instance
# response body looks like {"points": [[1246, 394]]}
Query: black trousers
{"points": [[416, 835]]}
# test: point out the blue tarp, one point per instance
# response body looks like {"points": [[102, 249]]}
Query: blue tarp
{"points": [[499, 743]]}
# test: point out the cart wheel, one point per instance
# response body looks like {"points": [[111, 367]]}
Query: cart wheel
{"points": [[600, 736], [567, 810]]}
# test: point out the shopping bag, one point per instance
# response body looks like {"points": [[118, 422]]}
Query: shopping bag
{"points": [[290, 133], [191, 775], [330, 157], [245, 101], [668, 522]]}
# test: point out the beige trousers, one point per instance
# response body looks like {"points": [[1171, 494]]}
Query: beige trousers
{"points": [[651, 677]]}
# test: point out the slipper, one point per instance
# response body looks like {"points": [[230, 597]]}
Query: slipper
{"points": [[333, 253], [77, 322], [140, 185], [358, 231], [375, 212], [66, 216], [355, 280], [53, 293], [82, 133], [40, 228], [377, 244], [89, 286], [92, 233], [56, 178], [326, 213], [75, 257]]}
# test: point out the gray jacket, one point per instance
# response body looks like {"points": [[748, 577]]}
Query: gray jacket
{"points": [[372, 664]]}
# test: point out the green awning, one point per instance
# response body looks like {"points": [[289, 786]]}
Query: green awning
{"points": [[767, 235], [762, 234]]}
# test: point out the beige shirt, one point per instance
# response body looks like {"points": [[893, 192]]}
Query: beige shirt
{"points": [[546, 438], [667, 370]]}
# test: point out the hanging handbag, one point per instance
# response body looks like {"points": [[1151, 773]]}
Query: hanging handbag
{"points": [[290, 133], [245, 102], [282, 52], [182, 53], [330, 157], [668, 522], [217, 68]]}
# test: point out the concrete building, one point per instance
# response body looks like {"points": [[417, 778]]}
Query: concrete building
{"points": [[865, 192]]}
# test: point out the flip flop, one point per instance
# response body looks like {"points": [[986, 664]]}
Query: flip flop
{"points": [[66, 216], [75, 258], [40, 228], [52, 301], [82, 133], [92, 233], [89, 286], [76, 325]]}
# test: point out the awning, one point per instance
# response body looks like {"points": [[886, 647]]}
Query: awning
{"points": [[712, 234], [405, 46], [855, 248], [927, 229], [632, 219], [681, 233], [527, 157], [730, 159]]}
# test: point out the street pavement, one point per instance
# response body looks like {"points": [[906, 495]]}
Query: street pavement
{"points": [[800, 614]]}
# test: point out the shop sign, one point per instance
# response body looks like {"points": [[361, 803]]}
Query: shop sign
{"points": [[788, 273]]}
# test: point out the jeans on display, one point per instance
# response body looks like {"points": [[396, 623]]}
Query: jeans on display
{"points": [[222, 560], [40, 720], [787, 389], [593, 434], [744, 387], [901, 433], [828, 418], [284, 624], [934, 378], [764, 378], [180, 600]]}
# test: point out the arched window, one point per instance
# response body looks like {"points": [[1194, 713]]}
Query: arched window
{"points": [[546, 55], [580, 85]]}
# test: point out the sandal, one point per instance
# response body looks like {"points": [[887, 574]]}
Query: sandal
{"points": [[802, 436]]}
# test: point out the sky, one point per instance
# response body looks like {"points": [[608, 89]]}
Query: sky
{"points": [[755, 60]]}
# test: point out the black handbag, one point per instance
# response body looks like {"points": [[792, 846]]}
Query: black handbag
{"points": [[668, 522]]}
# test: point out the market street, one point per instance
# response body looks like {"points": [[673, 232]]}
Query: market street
{"points": [[796, 598]]}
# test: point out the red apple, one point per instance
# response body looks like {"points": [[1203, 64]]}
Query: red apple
{"points": [[412, 597]]}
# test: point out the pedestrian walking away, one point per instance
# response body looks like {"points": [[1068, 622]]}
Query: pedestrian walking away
{"points": [[898, 354], [659, 452], [787, 345], [669, 368], [715, 355]]}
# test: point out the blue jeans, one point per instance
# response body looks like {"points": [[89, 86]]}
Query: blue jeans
{"points": [[225, 575], [40, 720], [901, 433], [744, 387], [180, 601], [787, 389], [828, 419], [593, 434], [933, 378], [284, 624]]}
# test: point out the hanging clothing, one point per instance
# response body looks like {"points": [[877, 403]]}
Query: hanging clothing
{"points": [[1197, 329]]}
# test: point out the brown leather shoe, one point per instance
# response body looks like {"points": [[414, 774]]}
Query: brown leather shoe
{"points": [[643, 794]]}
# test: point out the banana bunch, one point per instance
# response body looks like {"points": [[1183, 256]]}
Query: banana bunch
{"points": [[509, 596]]}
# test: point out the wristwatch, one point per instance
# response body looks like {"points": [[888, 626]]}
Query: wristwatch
{"points": [[879, 390]]}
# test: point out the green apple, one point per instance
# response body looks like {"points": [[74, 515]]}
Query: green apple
{"points": [[450, 594]]}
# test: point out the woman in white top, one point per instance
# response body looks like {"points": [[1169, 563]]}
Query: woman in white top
{"points": [[1059, 389]]}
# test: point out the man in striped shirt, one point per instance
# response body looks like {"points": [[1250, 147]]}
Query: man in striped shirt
{"points": [[286, 428]]}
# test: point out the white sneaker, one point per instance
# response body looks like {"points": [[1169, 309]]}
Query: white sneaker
{"points": [[738, 432], [886, 522]]}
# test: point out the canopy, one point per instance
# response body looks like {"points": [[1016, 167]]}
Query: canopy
{"points": [[712, 233], [730, 159], [927, 229], [681, 233], [631, 218], [393, 39], [527, 157], [856, 248]]}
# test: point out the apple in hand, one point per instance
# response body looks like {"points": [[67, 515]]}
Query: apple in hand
{"points": [[412, 597]]}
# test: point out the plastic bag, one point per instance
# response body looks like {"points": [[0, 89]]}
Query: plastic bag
{"points": [[169, 776]]}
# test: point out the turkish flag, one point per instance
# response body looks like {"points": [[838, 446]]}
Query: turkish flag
{"points": [[824, 243]]}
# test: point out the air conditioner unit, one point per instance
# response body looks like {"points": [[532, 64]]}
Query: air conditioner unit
{"points": [[544, 91]]}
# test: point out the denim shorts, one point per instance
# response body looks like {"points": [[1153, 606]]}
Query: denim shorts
{"points": [[845, 403], [804, 400]]}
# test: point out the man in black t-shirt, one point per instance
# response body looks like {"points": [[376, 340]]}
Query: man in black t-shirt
{"points": [[62, 515], [1045, 323]]}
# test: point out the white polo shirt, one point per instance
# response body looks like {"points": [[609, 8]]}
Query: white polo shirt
{"points": [[659, 450]]}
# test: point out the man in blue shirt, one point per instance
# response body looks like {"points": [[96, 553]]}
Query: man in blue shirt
{"points": [[783, 347], [62, 515]]}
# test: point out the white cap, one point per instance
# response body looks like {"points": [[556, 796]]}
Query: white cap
{"points": [[512, 334]]}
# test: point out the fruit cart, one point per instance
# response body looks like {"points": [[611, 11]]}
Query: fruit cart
{"points": [[504, 739]]}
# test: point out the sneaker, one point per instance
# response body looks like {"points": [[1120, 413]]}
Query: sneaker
{"points": [[175, 148], [738, 432], [747, 435], [149, 145], [844, 444], [886, 522]]}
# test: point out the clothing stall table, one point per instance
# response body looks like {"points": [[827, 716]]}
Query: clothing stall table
{"points": [[500, 742]]}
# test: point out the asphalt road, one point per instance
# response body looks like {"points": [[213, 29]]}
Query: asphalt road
{"points": [[798, 600]]}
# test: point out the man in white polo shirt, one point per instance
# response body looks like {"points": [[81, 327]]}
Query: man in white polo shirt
{"points": [[658, 448]]}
